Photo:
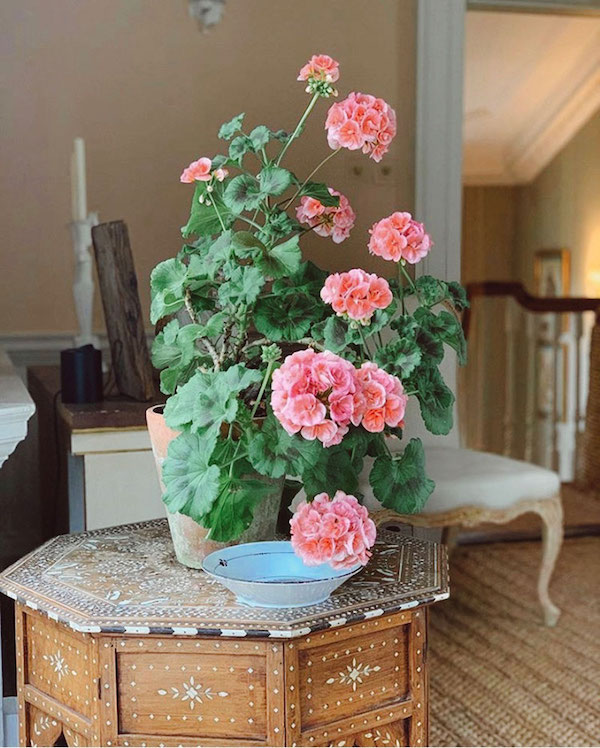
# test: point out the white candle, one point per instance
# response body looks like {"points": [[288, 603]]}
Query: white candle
{"points": [[78, 183]]}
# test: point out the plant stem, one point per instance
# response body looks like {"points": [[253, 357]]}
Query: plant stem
{"points": [[401, 287], [312, 343], [263, 387], [187, 296], [214, 204], [364, 342], [250, 222], [313, 172], [296, 132], [409, 279], [261, 392]]}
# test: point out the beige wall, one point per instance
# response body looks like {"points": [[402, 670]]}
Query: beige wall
{"points": [[489, 216], [148, 91], [561, 209]]}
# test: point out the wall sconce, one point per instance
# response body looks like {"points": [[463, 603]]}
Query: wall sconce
{"points": [[594, 283]]}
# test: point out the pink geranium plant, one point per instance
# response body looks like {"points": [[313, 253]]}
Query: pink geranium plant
{"points": [[274, 367]]}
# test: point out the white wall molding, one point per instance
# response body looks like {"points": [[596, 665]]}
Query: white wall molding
{"points": [[568, 7], [438, 161], [43, 349], [538, 146]]}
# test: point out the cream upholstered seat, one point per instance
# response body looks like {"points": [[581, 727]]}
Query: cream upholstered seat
{"points": [[474, 487], [478, 479]]}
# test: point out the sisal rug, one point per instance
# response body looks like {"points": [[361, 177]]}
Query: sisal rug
{"points": [[498, 676]]}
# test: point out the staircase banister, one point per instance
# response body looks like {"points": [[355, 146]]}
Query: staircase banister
{"points": [[538, 304]]}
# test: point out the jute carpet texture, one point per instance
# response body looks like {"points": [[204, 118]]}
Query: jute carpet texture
{"points": [[498, 676]]}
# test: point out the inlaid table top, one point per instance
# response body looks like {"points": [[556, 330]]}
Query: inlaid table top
{"points": [[126, 580]]}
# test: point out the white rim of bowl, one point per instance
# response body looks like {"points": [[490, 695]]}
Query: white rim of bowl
{"points": [[215, 574]]}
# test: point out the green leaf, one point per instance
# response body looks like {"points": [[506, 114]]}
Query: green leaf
{"points": [[245, 244], [274, 180], [308, 280], [400, 483], [166, 287], [242, 193], [281, 135], [281, 260], [191, 482], [233, 511], [174, 376], [229, 129], [286, 317], [399, 357], [279, 224], [219, 161], [204, 220], [435, 399], [458, 295], [239, 147], [445, 328], [332, 472], [320, 192], [243, 286], [273, 452], [260, 136], [333, 332], [431, 290], [209, 399]]}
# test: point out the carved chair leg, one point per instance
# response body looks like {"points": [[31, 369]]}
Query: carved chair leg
{"points": [[552, 535], [450, 537]]}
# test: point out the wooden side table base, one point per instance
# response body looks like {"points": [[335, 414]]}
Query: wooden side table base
{"points": [[362, 684]]}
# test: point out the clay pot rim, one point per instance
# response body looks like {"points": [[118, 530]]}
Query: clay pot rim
{"points": [[158, 409]]}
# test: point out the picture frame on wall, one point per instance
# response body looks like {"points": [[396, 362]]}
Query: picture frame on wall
{"points": [[552, 272]]}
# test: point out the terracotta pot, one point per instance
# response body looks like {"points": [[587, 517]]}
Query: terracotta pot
{"points": [[189, 538]]}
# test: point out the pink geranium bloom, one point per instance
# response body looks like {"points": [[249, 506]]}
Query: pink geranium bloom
{"points": [[320, 67], [197, 171], [382, 401], [356, 294], [399, 237], [361, 121], [336, 222], [336, 531], [312, 393]]}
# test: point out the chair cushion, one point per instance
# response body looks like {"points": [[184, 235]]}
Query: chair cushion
{"points": [[464, 477]]}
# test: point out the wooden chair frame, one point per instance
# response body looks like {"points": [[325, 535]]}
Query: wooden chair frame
{"points": [[549, 510]]}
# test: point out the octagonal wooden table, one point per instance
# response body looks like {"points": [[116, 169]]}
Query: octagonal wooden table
{"points": [[118, 644]]}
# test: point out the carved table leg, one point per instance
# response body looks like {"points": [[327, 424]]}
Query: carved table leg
{"points": [[552, 535]]}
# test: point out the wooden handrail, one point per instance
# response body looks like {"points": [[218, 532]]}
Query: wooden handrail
{"points": [[536, 304]]}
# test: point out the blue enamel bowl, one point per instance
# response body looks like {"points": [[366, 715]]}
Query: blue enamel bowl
{"points": [[271, 575]]}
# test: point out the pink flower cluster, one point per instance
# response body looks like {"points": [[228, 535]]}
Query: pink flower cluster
{"points": [[399, 237], [380, 400], [336, 222], [321, 394], [356, 294], [200, 171], [336, 531], [313, 393], [320, 67], [361, 121]]}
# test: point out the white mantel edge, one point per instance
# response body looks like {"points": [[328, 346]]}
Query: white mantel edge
{"points": [[16, 408]]}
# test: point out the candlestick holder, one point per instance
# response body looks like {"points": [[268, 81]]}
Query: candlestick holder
{"points": [[83, 279]]}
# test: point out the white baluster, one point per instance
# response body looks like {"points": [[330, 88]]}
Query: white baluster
{"points": [[567, 374], [530, 385], [509, 331]]}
